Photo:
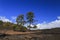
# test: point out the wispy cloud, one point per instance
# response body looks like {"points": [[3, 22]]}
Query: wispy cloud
{"points": [[44, 25], [52, 24], [4, 19], [14, 17], [58, 17]]}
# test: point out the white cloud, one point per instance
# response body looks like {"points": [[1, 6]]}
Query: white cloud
{"points": [[14, 17], [58, 17], [4, 19], [44, 25], [49, 25]]}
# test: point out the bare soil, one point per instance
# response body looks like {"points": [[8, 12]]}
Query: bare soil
{"points": [[31, 35]]}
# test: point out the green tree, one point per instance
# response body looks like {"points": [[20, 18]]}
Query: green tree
{"points": [[1, 24], [35, 26], [7, 25], [20, 19], [20, 22], [30, 18], [15, 27]]}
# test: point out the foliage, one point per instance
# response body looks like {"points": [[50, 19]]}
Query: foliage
{"points": [[1, 22], [29, 27], [7, 24], [20, 23], [30, 17], [23, 29], [14, 27], [20, 19], [19, 28], [35, 26]]}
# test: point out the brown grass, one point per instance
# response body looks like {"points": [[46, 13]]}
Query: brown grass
{"points": [[11, 32]]}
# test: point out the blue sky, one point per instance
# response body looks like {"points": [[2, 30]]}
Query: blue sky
{"points": [[44, 10]]}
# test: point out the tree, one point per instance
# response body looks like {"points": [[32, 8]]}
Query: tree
{"points": [[35, 26], [30, 18], [7, 25], [20, 22], [20, 19], [15, 27], [1, 24]]}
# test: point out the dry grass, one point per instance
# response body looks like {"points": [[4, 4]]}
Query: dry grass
{"points": [[32, 35], [11, 32]]}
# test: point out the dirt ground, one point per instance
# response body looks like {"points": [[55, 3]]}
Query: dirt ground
{"points": [[11, 32], [13, 35]]}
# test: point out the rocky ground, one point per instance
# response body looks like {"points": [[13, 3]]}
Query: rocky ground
{"points": [[32, 35]]}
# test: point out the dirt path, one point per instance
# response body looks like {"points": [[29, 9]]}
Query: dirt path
{"points": [[11, 32]]}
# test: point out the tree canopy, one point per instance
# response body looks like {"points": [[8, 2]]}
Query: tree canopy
{"points": [[21, 20], [30, 17]]}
